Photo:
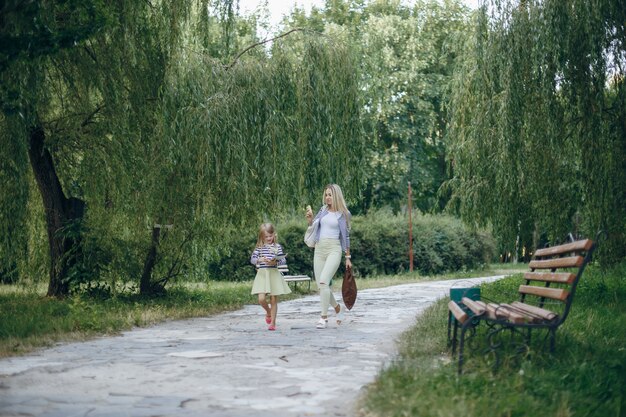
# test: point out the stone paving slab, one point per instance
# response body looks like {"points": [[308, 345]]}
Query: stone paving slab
{"points": [[223, 365]]}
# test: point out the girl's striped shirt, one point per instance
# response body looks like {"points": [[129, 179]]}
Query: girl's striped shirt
{"points": [[269, 252]]}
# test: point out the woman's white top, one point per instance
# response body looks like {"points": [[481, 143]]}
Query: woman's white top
{"points": [[329, 226]]}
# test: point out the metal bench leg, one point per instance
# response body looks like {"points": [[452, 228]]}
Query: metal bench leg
{"points": [[493, 345], [462, 346], [449, 328], [455, 339], [552, 338], [453, 326]]}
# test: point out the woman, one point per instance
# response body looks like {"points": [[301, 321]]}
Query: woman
{"points": [[331, 240]]}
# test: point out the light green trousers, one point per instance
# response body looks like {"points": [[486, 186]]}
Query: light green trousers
{"points": [[325, 264]]}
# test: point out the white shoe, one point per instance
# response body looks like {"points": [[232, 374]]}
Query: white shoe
{"points": [[321, 324], [340, 315]]}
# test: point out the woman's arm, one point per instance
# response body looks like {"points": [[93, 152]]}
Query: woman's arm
{"points": [[345, 240], [309, 214]]}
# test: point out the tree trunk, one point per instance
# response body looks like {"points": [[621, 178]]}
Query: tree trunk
{"points": [[59, 211], [145, 285]]}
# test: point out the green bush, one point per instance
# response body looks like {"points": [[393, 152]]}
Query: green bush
{"points": [[379, 245], [232, 261]]}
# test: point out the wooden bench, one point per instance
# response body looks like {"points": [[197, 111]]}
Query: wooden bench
{"points": [[545, 299], [295, 279]]}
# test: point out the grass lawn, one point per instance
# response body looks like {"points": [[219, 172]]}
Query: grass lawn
{"points": [[585, 377], [31, 320]]}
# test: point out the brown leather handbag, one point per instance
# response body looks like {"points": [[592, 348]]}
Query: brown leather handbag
{"points": [[348, 289]]}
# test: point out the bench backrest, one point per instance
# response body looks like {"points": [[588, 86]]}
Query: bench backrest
{"points": [[554, 275]]}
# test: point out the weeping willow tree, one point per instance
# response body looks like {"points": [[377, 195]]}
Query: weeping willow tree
{"points": [[253, 140], [80, 80], [74, 75], [145, 150], [538, 138]]}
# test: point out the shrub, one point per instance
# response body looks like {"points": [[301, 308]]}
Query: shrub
{"points": [[379, 245]]}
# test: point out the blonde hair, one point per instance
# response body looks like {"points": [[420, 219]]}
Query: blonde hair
{"points": [[263, 229], [339, 203]]}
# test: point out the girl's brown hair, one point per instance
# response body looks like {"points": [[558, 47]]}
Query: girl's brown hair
{"points": [[263, 229]]}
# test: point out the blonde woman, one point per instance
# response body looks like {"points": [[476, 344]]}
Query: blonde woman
{"points": [[332, 242]]}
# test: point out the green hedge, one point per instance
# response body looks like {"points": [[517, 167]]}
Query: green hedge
{"points": [[379, 245]]}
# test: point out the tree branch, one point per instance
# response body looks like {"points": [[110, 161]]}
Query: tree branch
{"points": [[232, 64], [175, 268]]}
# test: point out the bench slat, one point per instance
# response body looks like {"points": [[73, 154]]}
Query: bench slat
{"points": [[498, 313], [560, 277], [510, 314], [552, 293], [580, 245], [284, 270], [459, 314], [473, 305], [490, 310], [292, 278], [527, 316], [569, 262], [541, 312]]}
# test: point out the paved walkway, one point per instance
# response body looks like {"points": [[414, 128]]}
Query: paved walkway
{"points": [[224, 365]]}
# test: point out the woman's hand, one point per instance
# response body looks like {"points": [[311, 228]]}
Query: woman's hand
{"points": [[348, 263], [309, 215]]}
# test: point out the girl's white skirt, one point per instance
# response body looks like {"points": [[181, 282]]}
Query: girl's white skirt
{"points": [[269, 281]]}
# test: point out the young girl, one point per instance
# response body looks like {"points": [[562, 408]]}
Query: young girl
{"points": [[266, 257]]}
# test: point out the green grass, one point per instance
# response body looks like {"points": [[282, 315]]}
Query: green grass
{"points": [[585, 377], [31, 320]]}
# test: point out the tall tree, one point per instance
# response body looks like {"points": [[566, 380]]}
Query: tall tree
{"points": [[410, 58], [255, 139], [538, 141], [407, 56], [147, 148], [73, 73]]}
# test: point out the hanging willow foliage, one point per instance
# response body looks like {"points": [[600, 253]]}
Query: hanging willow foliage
{"points": [[137, 131], [69, 87], [228, 148], [537, 139], [272, 132]]}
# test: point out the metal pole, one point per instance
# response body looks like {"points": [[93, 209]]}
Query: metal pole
{"points": [[410, 232]]}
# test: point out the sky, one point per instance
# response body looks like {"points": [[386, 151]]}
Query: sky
{"points": [[279, 8]]}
